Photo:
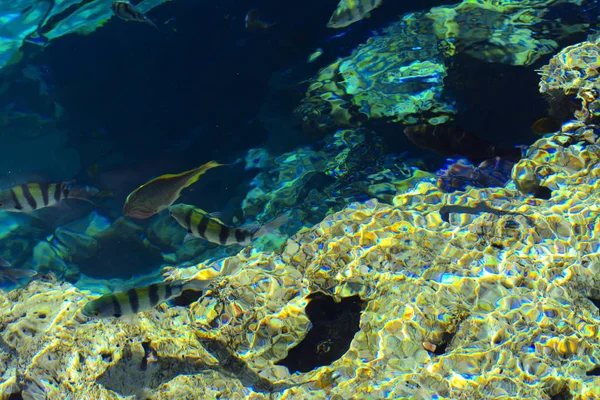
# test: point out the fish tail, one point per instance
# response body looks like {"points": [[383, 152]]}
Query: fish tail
{"points": [[270, 226], [79, 192], [202, 170]]}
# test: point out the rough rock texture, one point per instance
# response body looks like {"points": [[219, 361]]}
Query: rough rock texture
{"points": [[488, 304], [484, 294], [399, 74], [574, 73]]}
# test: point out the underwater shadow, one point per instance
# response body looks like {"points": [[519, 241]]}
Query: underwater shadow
{"points": [[135, 373]]}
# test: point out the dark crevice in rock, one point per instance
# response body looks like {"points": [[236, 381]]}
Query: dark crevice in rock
{"points": [[564, 394], [440, 349], [149, 355], [596, 302], [186, 298], [543, 193], [594, 371], [333, 328]]}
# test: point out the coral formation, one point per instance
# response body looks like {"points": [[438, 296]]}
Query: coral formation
{"points": [[574, 74], [399, 74], [488, 293], [482, 306]]}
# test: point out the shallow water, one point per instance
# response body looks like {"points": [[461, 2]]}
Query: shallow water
{"points": [[87, 98]]}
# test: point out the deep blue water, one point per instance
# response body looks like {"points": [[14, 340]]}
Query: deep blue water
{"points": [[140, 102]]}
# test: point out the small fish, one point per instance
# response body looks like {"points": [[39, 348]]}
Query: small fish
{"points": [[339, 35], [255, 21], [203, 225], [351, 11], [13, 274], [160, 193], [126, 11], [29, 197], [545, 125], [477, 208], [139, 299], [318, 53]]}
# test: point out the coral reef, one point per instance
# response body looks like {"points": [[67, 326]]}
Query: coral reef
{"points": [[488, 293], [573, 75], [486, 305], [350, 166], [399, 74]]}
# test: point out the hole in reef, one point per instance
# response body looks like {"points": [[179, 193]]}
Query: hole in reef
{"points": [[594, 371], [149, 355], [564, 394], [333, 328], [595, 301], [16, 396], [106, 357], [543, 193], [186, 298], [440, 349]]}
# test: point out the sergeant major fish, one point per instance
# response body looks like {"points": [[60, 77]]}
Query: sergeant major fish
{"points": [[159, 193], [202, 225], [139, 299], [126, 11], [33, 196], [351, 11]]}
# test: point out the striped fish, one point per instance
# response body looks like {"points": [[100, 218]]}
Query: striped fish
{"points": [[29, 197], [126, 11], [159, 193], [202, 225], [139, 299], [351, 11]]}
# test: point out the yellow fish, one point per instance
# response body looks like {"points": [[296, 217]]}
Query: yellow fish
{"points": [[160, 193], [351, 11]]}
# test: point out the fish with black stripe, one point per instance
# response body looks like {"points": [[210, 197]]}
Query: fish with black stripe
{"points": [[136, 300], [29, 197], [126, 11], [202, 225], [351, 11]]}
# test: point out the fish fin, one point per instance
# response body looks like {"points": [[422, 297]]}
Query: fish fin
{"points": [[216, 214], [4, 263], [270, 226], [189, 237], [198, 172], [197, 285], [41, 220], [63, 206], [149, 21], [253, 227]]}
